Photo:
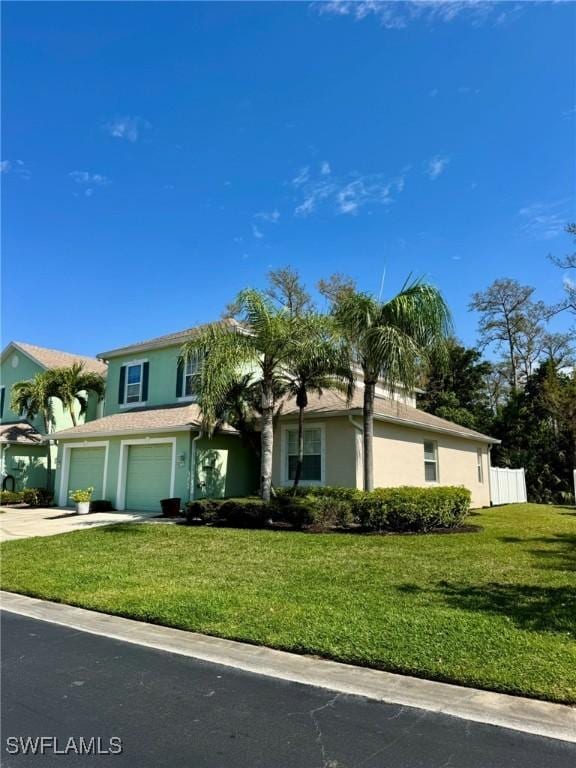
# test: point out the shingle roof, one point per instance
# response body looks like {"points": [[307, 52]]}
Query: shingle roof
{"points": [[170, 339], [385, 409], [19, 432], [55, 358], [163, 419]]}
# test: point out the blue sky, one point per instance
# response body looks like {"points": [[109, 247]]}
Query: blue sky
{"points": [[159, 157]]}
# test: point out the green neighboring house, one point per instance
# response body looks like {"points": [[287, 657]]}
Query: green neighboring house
{"points": [[23, 450], [147, 445]]}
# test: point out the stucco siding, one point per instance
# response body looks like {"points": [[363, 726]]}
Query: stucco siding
{"points": [[235, 474], [399, 460], [339, 451]]}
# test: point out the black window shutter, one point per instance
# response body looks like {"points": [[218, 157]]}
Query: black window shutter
{"points": [[121, 384], [2, 393], [145, 367], [180, 379]]}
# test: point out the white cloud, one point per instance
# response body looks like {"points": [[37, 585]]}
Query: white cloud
{"points": [[18, 167], [88, 181], [128, 128], [544, 221], [436, 166], [325, 168], [347, 195], [301, 177], [271, 217], [392, 14], [257, 233]]}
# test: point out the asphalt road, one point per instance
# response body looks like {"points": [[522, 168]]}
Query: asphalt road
{"points": [[171, 711]]}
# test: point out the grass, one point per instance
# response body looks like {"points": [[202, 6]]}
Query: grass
{"points": [[494, 609]]}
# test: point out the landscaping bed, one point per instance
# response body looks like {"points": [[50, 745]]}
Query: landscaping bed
{"points": [[495, 610]]}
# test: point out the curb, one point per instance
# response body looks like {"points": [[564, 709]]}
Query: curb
{"points": [[555, 721]]}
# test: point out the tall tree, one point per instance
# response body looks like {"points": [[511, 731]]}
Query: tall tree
{"points": [[455, 387], [286, 290], [567, 263], [263, 341], [320, 360], [72, 384], [33, 398], [391, 340], [337, 287], [506, 309]]}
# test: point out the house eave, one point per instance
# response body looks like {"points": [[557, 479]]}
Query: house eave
{"points": [[69, 435]]}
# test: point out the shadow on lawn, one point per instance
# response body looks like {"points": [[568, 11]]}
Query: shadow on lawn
{"points": [[559, 551], [542, 609]]}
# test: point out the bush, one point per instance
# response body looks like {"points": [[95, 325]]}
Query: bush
{"points": [[37, 497], [327, 513], [10, 497], [250, 512], [101, 505], [414, 509]]}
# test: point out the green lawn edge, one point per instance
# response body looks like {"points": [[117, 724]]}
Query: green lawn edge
{"points": [[494, 610]]}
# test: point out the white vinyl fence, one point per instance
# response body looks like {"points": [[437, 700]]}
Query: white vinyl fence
{"points": [[507, 486]]}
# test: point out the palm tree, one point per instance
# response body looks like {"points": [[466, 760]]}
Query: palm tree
{"points": [[263, 341], [34, 398], [71, 385], [391, 341], [319, 361]]}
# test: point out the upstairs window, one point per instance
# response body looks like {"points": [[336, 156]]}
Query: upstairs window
{"points": [[191, 376], [312, 460], [133, 385], [430, 462]]}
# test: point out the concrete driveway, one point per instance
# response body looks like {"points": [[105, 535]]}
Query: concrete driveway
{"points": [[25, 523]]}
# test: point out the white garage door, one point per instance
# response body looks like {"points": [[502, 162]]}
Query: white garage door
{"points": [[148, 472], [86, 470]]}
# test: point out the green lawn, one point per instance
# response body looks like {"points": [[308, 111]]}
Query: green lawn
{"points": [[494, 609]]}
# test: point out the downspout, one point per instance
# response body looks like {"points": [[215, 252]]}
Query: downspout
{"points": [[193, 442], [359, 454]]}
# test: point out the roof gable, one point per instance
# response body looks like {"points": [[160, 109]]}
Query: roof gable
{"points": [[55, 358]]}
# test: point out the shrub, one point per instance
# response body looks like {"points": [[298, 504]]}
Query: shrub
{"points": [[414, 509], [329, 513], [37, 497], [250, 512], [202, 510], [101, 505], [81, 495], [10, 497]]}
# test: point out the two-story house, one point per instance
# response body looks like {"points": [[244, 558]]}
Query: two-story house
{"points": [[23, 452], [148, 445]]}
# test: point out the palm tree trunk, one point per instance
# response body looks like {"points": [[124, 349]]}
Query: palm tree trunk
{"points": [[368, 435], [48, 454], [267, 441], [300, 462], [73, 415]]}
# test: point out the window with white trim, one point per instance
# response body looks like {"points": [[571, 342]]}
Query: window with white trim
{"points": [[480, 465], [192, 371], [312, 459], [430, 462], [133, 392]]}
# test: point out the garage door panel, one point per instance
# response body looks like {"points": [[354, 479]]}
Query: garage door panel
{"points": [[87, 470], [148, 475]]}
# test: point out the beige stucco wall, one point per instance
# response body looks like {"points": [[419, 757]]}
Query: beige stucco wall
{"points": [[399, 460], [398, 457], [339, 456]]}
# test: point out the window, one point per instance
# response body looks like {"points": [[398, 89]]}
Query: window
{"points": [[133, 383], [191, 376], [430, 462], [2, 396], [312, 460], [480, 465]]}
